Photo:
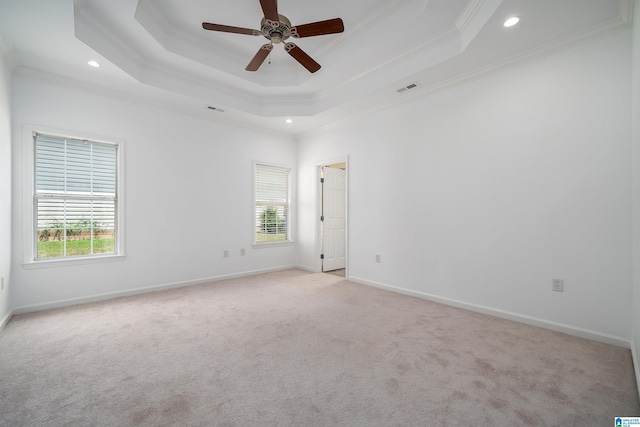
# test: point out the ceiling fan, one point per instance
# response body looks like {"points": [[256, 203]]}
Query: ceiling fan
{"points": [[277, 29]]}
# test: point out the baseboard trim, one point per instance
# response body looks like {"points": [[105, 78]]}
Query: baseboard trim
{"points": [[142, 290], [5, 320], [636, 364], [306, 268], [533, 321]]}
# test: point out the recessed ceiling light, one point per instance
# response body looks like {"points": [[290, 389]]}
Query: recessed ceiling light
{"points": [[93, 64], [511, 21], [289, 121]]}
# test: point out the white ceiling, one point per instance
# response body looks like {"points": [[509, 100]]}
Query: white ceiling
{"points": [[157, 51]]}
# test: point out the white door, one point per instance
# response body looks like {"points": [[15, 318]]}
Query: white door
{"points": [[334, 223]]}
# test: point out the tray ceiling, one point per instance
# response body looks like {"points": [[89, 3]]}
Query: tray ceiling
{"points": [[157, 50]]}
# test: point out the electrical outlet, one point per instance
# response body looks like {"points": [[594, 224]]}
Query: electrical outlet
{"points": [[225, 253], [377, 259], [242, 252], [558, 285]]}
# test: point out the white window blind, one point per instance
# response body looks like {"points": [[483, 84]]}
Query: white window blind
{"points": [[271, 203], [75, 199]]}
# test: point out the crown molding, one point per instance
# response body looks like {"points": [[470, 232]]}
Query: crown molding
{"points": [[150, 72], [622, 22], [86, 25], [149, 16], [448, 35], [6, 47], [467, 15], [160, 75], [199, 110], [625, 11], [610, 27], [445, 36], [97, 34], [474, 17]]}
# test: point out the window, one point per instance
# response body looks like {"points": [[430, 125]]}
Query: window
{"points": [[75, 187], [271, 204]]}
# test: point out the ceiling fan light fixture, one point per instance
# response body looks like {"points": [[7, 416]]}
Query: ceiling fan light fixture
{"points": [[510, 22], [277, 29]]}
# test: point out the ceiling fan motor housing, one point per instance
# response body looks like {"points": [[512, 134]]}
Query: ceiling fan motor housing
{"points": [[277, 32]]}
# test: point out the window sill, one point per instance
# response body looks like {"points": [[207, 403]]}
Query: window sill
{"points": [[272, 244], [71, 261]]}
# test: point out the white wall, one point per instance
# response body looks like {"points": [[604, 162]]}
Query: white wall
{"points": [[636, 190], [483, 192], [5, 189], [188, 195]]}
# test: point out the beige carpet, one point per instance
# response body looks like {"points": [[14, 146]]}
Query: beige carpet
{"points": [[294, 348]]}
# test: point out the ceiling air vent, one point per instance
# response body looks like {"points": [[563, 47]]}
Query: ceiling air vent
{"points": [[407, 87], [220, 110]]}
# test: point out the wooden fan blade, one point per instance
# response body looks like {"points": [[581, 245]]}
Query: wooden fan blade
{"points": [[300, 55], [259, 58], [270, 9], [320, 28], [229, 29]]}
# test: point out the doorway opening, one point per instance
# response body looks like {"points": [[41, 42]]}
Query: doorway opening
{"points": [[333, 217]]}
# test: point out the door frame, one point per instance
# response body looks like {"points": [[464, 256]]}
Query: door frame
{"points": [[342, 159]]}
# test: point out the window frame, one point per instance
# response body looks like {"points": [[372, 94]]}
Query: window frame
{"points": [[29, 217], [289, 239]]}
